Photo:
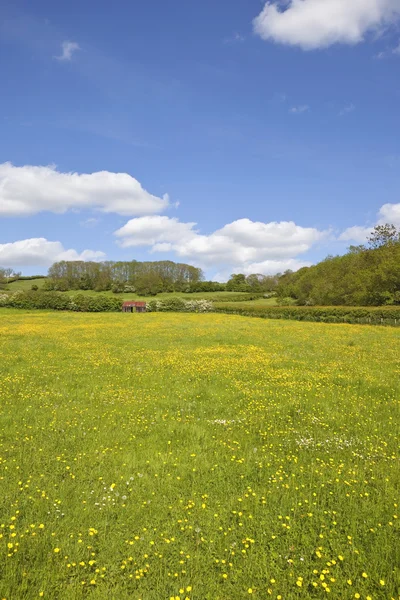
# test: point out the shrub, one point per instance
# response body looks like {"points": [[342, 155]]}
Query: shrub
{"points": [[118, 287], [59, 301], [48, 285], [179, 305], [4, 299]]}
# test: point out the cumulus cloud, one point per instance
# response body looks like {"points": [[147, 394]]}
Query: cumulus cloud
{"points": [[29, 190], [388, 213], [149, 231], [68, 49], [41, 252], [271, 267], [356, 234], [246, 244], [313, 24]]}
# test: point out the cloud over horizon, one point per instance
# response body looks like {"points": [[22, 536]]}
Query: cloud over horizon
{"points": [[245, 244], [388, 213], [29, 190], [41, 252], [314, 24]]}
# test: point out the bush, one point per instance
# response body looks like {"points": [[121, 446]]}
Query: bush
{"points": [[179, 305], [48, 285], [4, 299], [59, 301], [34, 287], [118, 287]]}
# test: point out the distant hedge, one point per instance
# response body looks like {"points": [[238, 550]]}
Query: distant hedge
{"points": [[26, 278], [234, 297], [59, 301], [382, 315]]}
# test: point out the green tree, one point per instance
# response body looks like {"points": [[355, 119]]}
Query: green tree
{"points": [[383, 235], [237, 283], [148, 284]]}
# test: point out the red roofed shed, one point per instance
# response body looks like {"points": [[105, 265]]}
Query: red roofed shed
{"points": [[133, 306]]}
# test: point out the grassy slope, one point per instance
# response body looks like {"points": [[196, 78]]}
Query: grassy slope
{"points": [[259, 302], [24, 285], [142, 455]]}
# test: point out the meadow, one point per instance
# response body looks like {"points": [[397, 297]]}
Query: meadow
{"points": [[197, 457]]}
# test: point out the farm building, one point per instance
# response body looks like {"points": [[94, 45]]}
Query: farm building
{"points": [[132, 306]]}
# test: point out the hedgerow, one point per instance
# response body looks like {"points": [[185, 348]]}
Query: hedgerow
{"points": [[58, 301], [381, 315]]}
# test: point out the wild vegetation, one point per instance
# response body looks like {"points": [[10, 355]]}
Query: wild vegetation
{"points": [[365, 276], [204, 457]]}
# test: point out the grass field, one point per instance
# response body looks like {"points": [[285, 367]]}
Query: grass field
{"points": [[197, 457], [26, 285]]}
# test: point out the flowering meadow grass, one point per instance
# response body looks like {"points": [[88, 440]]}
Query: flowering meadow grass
{"points": [[169, 456]]}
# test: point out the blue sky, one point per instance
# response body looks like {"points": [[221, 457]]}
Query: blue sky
{"points": [[272, 128]]}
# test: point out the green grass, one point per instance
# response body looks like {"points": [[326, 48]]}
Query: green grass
{"points": [[259, 302], [212, 457], [24, 284]]}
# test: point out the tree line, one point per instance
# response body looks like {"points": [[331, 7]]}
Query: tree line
{"points": [[367, 275], [145, 278]]}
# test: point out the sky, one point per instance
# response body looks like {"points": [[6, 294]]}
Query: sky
{"points": [[238, 135]]}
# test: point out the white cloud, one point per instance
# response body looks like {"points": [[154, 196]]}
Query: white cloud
{"points": [[313, 24], [396, 50], [388, 213], [29, 190], [149, 231], [266, 247], [347, 109], [299, 110], [41, 252], [68, 49], [355, 234], [271, 267]]}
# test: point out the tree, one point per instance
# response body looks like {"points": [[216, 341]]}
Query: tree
{"points": [[384, 234], [149, 284], [237, 283], [6, 274]]}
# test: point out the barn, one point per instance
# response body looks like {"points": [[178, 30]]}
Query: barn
{"points": [[132, 306]]}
